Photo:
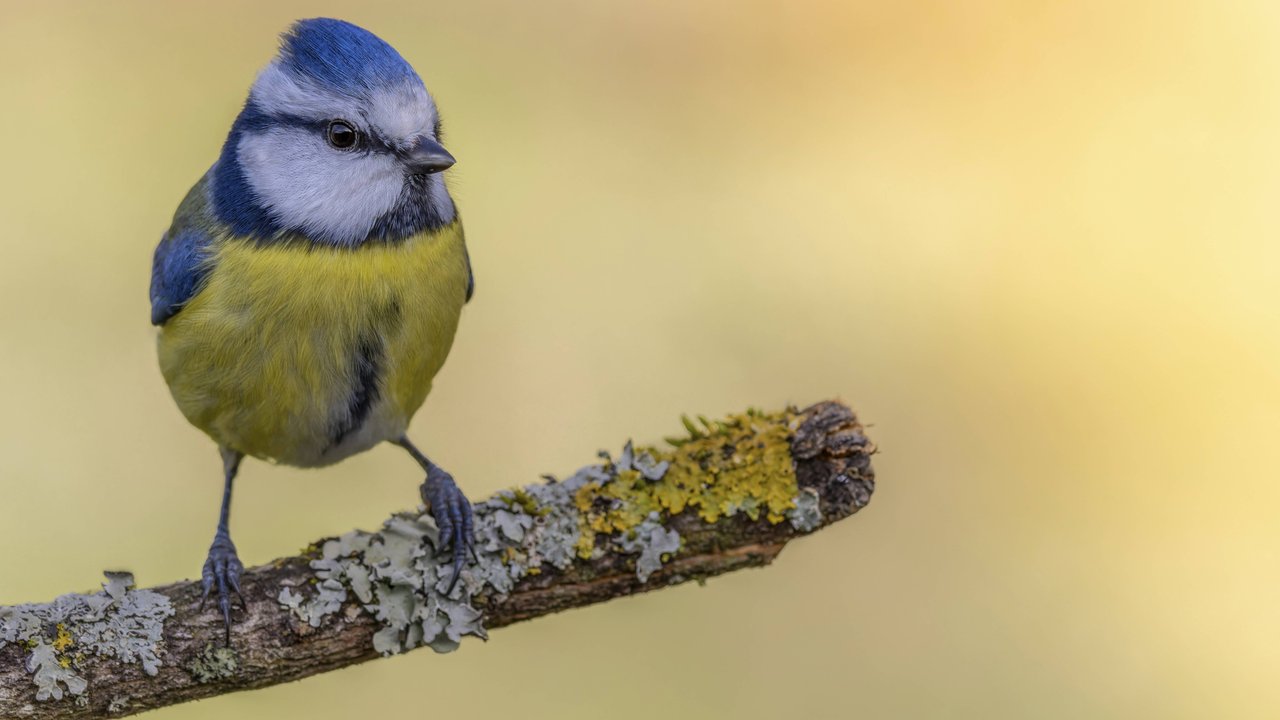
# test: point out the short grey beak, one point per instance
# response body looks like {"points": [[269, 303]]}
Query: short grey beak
{"points": [[428, 156]]}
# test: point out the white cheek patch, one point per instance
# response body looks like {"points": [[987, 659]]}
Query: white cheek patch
{"points": [[328, 194]]}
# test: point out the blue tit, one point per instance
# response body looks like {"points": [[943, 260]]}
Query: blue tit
{"points": [[310, 285]]}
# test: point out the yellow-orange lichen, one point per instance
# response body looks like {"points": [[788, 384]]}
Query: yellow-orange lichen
{"points": [[739, 465]]}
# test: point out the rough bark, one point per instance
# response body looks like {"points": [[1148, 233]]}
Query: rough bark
{"points": [[831, 456]]}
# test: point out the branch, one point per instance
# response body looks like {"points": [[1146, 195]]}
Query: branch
{"points": [[727, 496]]}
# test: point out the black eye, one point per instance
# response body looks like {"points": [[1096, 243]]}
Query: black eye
{"points": [[341, 135]]}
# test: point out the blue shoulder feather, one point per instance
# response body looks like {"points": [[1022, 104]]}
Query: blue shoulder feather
{"points": [[178, 271]]}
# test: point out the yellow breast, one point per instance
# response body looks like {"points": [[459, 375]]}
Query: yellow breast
{"points": [[305, 354]]}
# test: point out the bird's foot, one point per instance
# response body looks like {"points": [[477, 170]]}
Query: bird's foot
{"points": [[222, 569], [452, 512]]}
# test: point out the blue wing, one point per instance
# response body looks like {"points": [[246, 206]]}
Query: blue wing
{"points": [[178, 271]]}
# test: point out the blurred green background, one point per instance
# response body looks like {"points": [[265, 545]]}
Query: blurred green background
{"points": [[1033, 243]]}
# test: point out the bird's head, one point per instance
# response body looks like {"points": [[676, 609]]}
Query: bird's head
{"points": [[339, 142]]}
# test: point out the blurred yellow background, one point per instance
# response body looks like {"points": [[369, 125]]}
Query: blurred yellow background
{"points": [[1034, 244]]}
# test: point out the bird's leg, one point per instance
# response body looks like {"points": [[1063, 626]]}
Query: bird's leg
{"points": [[449, 507], [223, 567]]}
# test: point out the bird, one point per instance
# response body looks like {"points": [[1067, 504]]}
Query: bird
{"points": [[311, 282]]}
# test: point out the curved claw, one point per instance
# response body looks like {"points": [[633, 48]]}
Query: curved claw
{"points": [[234, 581], [452, 512], [222, 569]]}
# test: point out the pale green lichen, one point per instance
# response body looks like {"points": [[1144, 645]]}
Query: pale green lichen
{"points": [[50, 675], [117, 622], [806, 516], [394, 576], [215, 663], [652, 541], [741, 465]]}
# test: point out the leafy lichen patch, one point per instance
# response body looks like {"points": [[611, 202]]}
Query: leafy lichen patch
{"points": [[739, 465], [395, 576], [399, 575], [653, 542], [806, 516], [215, 663], [116, 622], [400, 578]]}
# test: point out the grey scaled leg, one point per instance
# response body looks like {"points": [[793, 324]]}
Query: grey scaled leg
{"points": [[223, 567], [449, 507]]}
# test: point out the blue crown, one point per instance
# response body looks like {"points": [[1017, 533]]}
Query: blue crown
{"points": [[342, 56]]}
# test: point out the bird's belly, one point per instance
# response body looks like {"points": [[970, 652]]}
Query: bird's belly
{"points": [[307, 356]]}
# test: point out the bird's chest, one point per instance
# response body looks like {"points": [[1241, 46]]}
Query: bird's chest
{"points": [[305, 354]]}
